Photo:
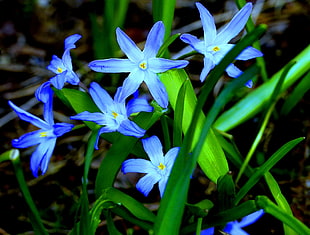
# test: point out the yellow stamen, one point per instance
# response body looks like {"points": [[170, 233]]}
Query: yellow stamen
{"points": [[114, 114], [59, 70], [143, 65], [216, 48], [43, 134], [161, 166]]}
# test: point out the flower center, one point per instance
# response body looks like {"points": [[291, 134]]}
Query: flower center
{"points": [[59, 70], [143, 65], [43, 134], [161, 166], [114, 114], [216, 48]]}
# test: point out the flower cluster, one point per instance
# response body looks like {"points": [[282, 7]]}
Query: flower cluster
{"points": [[114, 115]]}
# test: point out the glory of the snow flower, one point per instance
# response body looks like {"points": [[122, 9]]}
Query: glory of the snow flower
{"points": [[142, 66], [215, 46], [235, 227], [157, 170], [62, 68], [114, 113], [45, 137]]}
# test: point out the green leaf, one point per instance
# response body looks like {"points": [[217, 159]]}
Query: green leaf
{"points": [[278, 155], [200, 209], [166, 44], [254, 102], [270, 208]]}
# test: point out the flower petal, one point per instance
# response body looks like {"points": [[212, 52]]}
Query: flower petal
{"points": [[194, 42], [159, 65], [100, 96], [28, 117], [249, 53], [152, 146], [43, 93], [138, 165], [138, 105], [128, 46], [162, 185], [66, 59], [41, 156], [208, 65], [112, 65], [71, 40], [28, 139], [233, 71], [98, 118], [208, 24], [171, 156], [233, 28], [59, 80], [62, 128], [251, 218], [208, 231], [234, 228], [131, 84], [223, 49], [146, 183], [154, 40], [129, 128], [56, 65], [157, 89]]}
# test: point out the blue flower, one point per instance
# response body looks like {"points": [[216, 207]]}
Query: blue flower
{"points": [[114, 114], [215, 45], [62, 67], [235, 227], [157, 170], [143, 66], [45, 138]]}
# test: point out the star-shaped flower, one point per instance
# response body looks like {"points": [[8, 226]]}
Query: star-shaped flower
{"points": [[45, 138], [114, 114], [216, 45], [143, 66], [63, 69], [157, 170], [235, 227]]}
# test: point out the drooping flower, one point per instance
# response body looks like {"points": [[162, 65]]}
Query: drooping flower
{"points": [[45, 137], [215, 45], [156, 170], [114, 114], [143, 66], [62, 67], [235, 227]]}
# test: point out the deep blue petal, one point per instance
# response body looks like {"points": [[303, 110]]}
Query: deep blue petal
{"points": [[62, 128], [28, 139], [59, 80], [146, 183], [43, 93], [98, 118]]}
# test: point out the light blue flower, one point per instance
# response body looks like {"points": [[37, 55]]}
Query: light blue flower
{"points": [[63, 69], [235, 227], [143, 66], [157, 170], [114, 114], [45, 138], [216, 45]]}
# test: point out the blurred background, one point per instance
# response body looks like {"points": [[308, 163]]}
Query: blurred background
{"points": [[31, 31]]}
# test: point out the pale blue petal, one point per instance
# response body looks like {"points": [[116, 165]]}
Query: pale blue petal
{"points": [[162, 185], [62, 128], [194, 42], [101, 97], [132, 83], [223, 50], [251, 218], [152, 146], [59, 80], [56, 64], [146, 183], [159, 65], [138, 165], [208, 24], [154, 40], [48, 107], [157, 89], [128, 46], [28, 139], [71, 40], [138, 105], [233, 28], [72, 78], [249, 53], [66, 58], [171, 156], [233, 71], [102, 130], [129, 128], [43, 93], [112, 66], [41, 156], [28, 117], [209, 64], [98, 118]]}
